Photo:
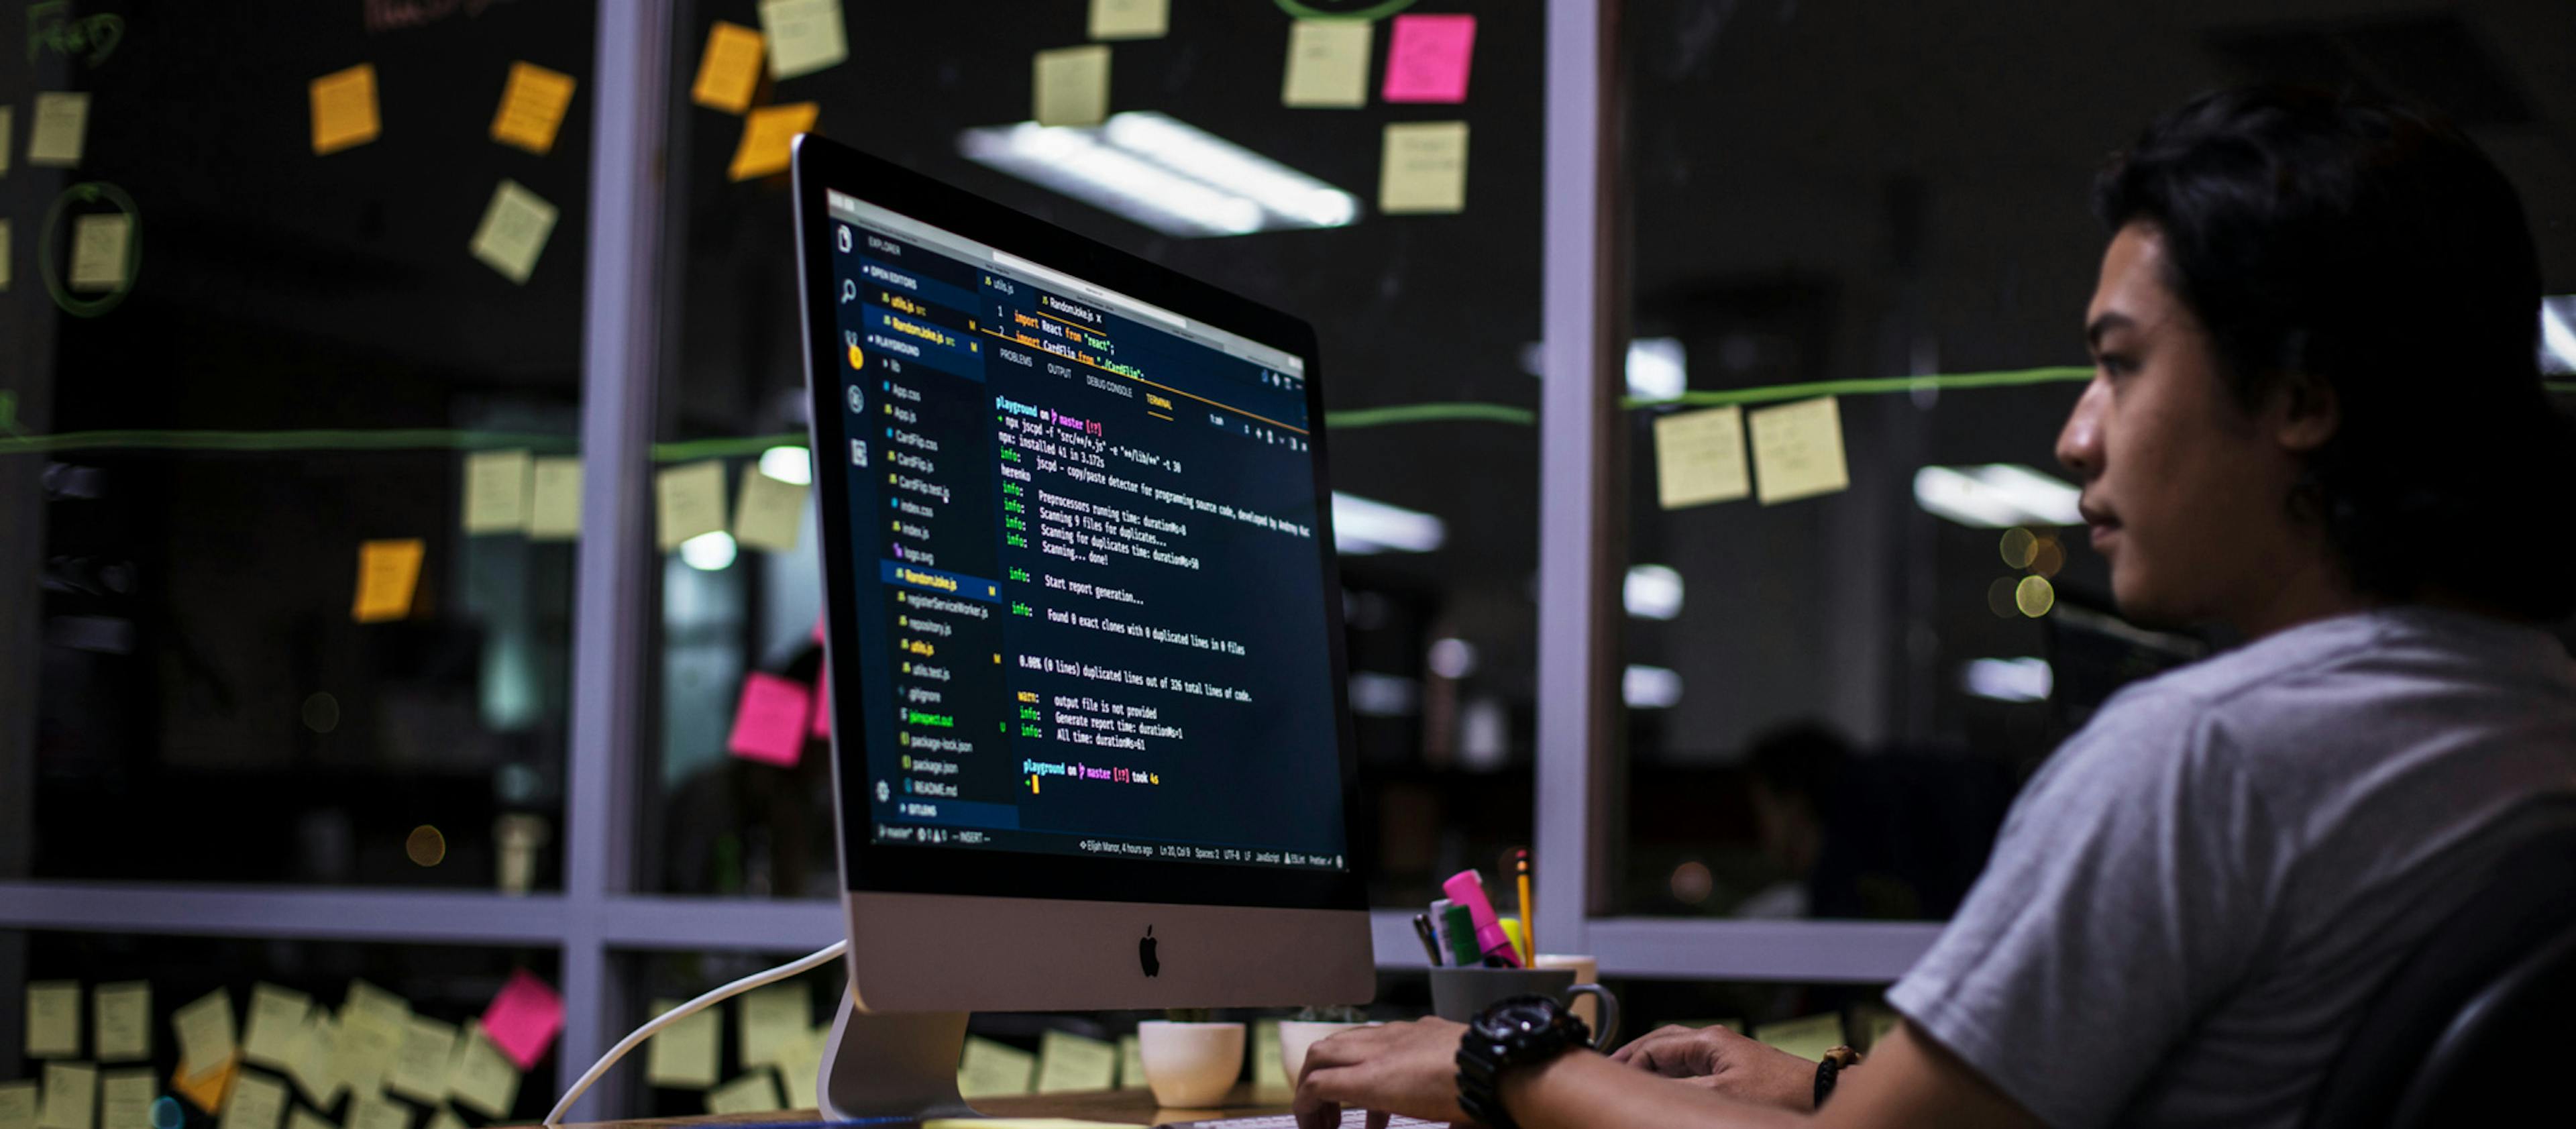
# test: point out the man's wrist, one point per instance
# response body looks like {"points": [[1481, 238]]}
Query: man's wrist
{"points": [[1525, 1091]]}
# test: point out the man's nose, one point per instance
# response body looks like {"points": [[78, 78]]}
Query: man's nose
{"points": [[2079, 443]]}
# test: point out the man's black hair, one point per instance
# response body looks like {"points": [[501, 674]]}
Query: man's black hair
{"points": [[2377, 249]]}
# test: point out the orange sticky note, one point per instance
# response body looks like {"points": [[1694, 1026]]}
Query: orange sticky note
{"points": [[730, 69], [766, 134], [532, 107], [387, 573], [206, 1090], [344, 109]]}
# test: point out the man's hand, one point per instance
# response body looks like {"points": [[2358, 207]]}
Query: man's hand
{"points": [[1406, 1068], [1727, 1063]]}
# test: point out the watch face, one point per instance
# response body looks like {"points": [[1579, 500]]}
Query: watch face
{"points": [[1513, 1016]]}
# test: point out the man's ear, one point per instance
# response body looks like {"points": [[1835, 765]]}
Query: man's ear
{"points": [[2306, 412]]}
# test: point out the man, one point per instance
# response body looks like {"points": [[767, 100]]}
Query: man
{"points": [[2315, 419]]}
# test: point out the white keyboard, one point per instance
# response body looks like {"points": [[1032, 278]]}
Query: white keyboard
{"points": [[1351, 1119]]}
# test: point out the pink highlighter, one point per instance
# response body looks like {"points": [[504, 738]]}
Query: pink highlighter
{"points": [[1467, 888]]}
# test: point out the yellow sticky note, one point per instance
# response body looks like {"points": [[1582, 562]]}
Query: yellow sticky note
{"points": [[257, 1102], [1798, 450], [768, 134], [1807, 1037], [756, 1092], [8, 141], [804, 36], [54, 1019], [729, 69], [207, 1086], [71, 1096], [554, 505], [1071, 85], [533, 101], [1069, 1063], [482, 1077], [101, 243], [514, 230], [277, 1014], [1131, 1063], [312, 1059], [990, 1069], [1423, 168], [1699, 458], [690, 501], [767, 512], [445, 1118], [373, 1112], [387, 573], [363, 1049], [205, 1030], [1267, 1071], [344, 109], [60, 129], [1328, 64], [125, 1098], [496, 491], [299, 1119], [123, 1013], [18, 1101], [420, 1068], [683, 1055], [800, 1069], [1130, 19], [772, 1017], [366, 1005]]}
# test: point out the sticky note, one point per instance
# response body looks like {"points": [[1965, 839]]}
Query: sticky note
{"points": [[18, 1102], [774, 1015], [554, 499], [1068, 1062], [1807, 1037], [689, 501], [4, 250], [445, 1118], [1130, 19], [533, 101], [1423, 169], [513, 232], [497, 491], [1131, 1062], [344, 109], [1328, 64], [368, 1005], [481, 1076], [54, 1019], [1798, 450], [767, 512], [312, 1056], [683, 1055], [71, 1096], [206, 1087], [387, 573], [363, 1050], [992, 1069], [1267, 1071], [277, 1014], [125, 1099], [420, 1068], [8, 140], [769, 725], [767, 134], [1699, 458], [523, 1018], [373, 1112], [59, 130], [256, 1103], [800, 1069], [1071, 85], [205, 1030], [299, 1119], [1427, 58], [756, 1092], [804, 36], [123, 1012], [729, 68], [100, 244]]}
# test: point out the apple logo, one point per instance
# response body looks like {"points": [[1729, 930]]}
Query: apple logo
{"points": [[1145, 954]]}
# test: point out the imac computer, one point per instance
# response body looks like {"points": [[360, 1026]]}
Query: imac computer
{"points": [[1090, 746]]}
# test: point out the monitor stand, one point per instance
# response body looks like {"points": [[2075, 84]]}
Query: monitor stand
{"points": [[892, 1065]]}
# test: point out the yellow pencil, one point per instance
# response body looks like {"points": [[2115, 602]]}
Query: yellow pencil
{"points": [[1529, 912]]}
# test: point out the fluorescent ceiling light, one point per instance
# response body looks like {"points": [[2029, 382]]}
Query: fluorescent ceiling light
{"points": [[1164, 173], [2558, 334], [1995, 496], [1657, 367], [1652, 591], [788, 464], [708, 552], [1650, 687], [1364, 525], [1381, 695], [2008, 680]]}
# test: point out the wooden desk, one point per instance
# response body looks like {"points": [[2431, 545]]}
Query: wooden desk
{"points": [[1132, 1107]]}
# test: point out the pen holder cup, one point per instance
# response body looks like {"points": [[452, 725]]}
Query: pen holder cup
{"points": [[1457, 994]]}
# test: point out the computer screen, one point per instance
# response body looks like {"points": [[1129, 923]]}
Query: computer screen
{"points": [[1089, 615]]}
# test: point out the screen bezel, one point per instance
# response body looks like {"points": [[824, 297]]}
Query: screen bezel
{"points": [[869, 866]]}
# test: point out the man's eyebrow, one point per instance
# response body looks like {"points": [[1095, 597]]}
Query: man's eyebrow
{"points": [[2105, 324]]}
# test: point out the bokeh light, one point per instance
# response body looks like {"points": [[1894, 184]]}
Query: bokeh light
{"points": [[2017, 546], [1999, 598], [1692, 883], [426, 846], [2046, 557], [321, 712], [2034, 596]]}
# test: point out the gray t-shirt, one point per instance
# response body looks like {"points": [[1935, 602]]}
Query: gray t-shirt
{"points": [[2192, 904]]}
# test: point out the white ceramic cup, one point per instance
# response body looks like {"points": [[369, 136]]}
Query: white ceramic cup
{"points": [[1190, 1065], [1586, 971], [1296, 1035]]}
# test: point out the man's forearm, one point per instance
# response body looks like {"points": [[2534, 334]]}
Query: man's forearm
{"points": [[1582, 1090]]}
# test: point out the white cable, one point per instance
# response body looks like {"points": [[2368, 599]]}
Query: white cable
{"points": [[817, 959]]}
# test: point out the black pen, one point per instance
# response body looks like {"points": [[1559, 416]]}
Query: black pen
{"points": [[1430, 943]]}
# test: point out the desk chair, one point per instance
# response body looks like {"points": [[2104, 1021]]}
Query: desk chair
{"points": [[2474, 1025]]}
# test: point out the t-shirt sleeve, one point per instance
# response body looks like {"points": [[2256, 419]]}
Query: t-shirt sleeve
{"points": [[2125, 896]]}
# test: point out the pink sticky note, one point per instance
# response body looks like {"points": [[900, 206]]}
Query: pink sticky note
{"points": [[818, 630], [524, 1018], [769, 722], [1427, 62], [823, 702]]}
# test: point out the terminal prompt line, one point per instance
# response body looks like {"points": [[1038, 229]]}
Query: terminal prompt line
{"points": [[434, 439]]}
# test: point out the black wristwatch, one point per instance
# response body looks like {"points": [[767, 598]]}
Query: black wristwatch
{"points": [[1513, 1032]]}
